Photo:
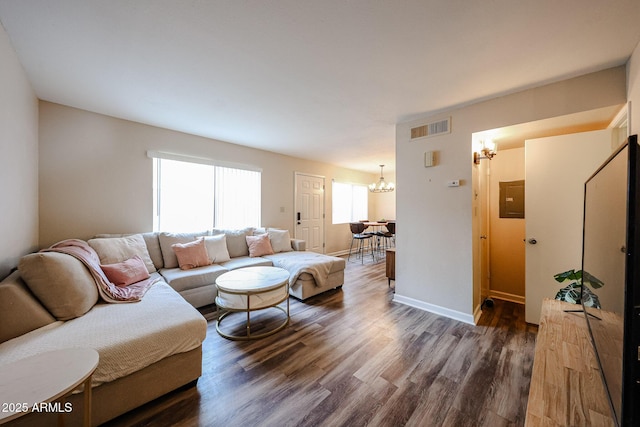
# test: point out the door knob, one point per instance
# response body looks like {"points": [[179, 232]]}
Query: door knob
{"points": [[483, 236], [533, 241]]}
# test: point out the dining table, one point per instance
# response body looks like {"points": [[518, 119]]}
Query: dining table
{"points": [[375, 223], [377, 227]]}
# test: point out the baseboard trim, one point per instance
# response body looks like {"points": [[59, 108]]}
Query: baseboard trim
{"points": [[507, 297], [476, 314], [436, 309], [339, 253]]}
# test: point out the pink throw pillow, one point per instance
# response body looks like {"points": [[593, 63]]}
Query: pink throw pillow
{"points": [[259, 245], [191, 255], [126, 272]]}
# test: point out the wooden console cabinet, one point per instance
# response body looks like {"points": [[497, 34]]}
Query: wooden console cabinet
{"points": [[566, 389], [391, 264]]}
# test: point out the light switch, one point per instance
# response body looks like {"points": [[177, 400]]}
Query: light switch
{"points": [[429, 159]]}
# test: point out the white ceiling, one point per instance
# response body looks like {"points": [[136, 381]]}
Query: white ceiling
{"points": [[326, 80]]}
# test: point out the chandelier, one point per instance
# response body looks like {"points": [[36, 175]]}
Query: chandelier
{"points": [[381, 186]]}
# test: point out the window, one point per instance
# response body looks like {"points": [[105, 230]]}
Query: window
{"points": [[349, 202], [195, 195]]}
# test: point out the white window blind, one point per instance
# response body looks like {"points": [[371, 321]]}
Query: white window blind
{"points": [[196, 195], [237, 198], [349, 202]]}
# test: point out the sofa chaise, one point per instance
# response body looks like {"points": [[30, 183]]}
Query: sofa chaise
{"points": [[146, 348]]}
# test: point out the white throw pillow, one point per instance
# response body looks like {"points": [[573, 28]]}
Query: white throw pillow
{"points": [[280, 240], [217, 248], [236, 240], [118, 249]]}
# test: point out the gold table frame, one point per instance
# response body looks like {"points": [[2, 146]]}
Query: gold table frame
{"points": [[248, 293]]}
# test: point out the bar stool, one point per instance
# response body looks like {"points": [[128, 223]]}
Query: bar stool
{"points": [[389, 236], [356, 235]]}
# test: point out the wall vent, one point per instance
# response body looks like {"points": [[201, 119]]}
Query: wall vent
{"points": [[431, 129]]}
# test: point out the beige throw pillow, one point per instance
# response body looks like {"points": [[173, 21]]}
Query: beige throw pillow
{"points": [[280, 240], [150, 239], [217, 248], [61, 282], [119, 249]]}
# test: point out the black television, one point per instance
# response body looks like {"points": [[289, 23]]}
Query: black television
{"points": [[610, 293]]}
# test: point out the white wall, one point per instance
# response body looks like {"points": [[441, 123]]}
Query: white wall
{"points": [[436, 245], [18, 160], [633, 90], [95, 176]]}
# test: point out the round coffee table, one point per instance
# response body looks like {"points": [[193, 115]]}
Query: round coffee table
{"points": [[251, 289], [46, 377]]}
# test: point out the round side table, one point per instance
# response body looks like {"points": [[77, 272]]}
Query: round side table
{"points": [[44, 378], [251, 289]]}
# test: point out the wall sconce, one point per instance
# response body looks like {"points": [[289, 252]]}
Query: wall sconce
{"points": [[488, 149]]}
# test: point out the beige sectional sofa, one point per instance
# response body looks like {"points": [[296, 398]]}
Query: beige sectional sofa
{"points": [[311, 273], [150, 347], [146, 348]]}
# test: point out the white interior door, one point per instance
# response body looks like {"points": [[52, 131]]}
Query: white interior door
{"points": [[310, 211], [555, 171]]}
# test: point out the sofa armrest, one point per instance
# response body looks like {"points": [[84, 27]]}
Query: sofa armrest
{"points": [[20, 311], [299, 245]]}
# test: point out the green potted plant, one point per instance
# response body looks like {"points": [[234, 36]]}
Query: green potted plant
{"points": [[572, 293]]}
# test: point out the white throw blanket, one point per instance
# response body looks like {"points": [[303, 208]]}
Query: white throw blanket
{"points": [[319, 266]]}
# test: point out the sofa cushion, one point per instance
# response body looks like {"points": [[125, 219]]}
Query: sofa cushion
{"points": [[246, 261], [280, 260], [20, 311], [168, 239], [236, 240], [191, 254], [280, 240], [153, 245], [299, 245], [217, 248], [126, 272], [118, 249], [259, 245], [61, 282], [181, 280]]}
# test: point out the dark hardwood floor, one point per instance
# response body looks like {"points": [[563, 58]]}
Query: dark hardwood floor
{"points": [[352, 357]]}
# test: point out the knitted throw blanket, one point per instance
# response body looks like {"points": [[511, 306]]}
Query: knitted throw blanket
{"points": [[109, 292]]}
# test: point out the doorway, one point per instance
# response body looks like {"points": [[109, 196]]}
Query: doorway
{"points": [[504, 239], [309, 213]]}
